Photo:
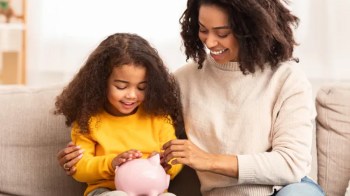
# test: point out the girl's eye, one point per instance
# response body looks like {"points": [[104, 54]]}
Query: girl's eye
{"points": [[120, 87], [223, 36], [142, 88]]}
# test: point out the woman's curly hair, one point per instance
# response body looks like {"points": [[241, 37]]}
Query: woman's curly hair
{"points": [[263, 29], [86, 94]]}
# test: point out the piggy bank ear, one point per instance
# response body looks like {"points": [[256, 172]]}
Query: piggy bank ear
{"points": [[155, 159], [116, 168]]}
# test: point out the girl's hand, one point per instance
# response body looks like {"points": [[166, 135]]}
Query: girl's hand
{"points": [[68, 157], [185, 152], [126, 156]]}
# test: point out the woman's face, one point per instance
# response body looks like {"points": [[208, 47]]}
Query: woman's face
{"points": [[126, 89], [216, 34]]}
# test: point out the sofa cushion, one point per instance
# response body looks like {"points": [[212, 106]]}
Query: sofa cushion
{"points": [[30, 139], [333, 137]]}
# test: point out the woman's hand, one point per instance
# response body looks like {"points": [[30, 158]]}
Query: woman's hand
{"points": [[68, 157], [185, 152], [126, 156], [164, 163]]}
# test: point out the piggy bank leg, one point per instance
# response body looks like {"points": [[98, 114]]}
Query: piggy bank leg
{"points": [[130, 194], [114, 193], [153, 193]]}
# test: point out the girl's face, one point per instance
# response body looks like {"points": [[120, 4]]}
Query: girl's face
{"points": [[126, 89], [216, 34]]}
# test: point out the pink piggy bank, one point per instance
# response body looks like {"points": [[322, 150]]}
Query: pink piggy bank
{"points": [[142, 177]]}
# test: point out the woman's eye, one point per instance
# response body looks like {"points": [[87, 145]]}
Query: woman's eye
{"points": [[202, 30]]}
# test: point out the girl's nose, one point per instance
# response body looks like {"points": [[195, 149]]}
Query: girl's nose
{"points": [[131, 94]]}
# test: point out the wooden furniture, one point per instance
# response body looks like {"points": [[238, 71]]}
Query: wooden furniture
{"points": [[13, 42]]}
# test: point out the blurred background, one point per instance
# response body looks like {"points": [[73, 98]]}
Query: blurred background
{"points": [[45, 42]]}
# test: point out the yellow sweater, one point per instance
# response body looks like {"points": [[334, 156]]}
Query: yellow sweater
{"points": [[109, 136]]}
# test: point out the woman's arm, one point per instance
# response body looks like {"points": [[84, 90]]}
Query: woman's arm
{"points": [[185, 152], [68, 157]]}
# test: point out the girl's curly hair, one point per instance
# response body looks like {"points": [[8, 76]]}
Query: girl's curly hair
{"points": [[262, 29], [86, 94]]}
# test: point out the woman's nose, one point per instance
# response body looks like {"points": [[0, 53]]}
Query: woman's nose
{"points": [[211, 41]]}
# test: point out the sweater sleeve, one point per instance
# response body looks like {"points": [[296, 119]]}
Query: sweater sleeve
{"points": [[290, 157], [168, 133], [91, 168]]}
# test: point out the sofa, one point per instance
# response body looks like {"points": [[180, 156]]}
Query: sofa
{"points": [[31, 136]]}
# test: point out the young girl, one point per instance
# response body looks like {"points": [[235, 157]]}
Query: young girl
{"points": [[122, 105]]}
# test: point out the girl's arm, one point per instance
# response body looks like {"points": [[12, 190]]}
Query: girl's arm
{"points": [[91, 168]]}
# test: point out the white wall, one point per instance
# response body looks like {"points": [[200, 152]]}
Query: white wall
{"points": [[324, 39], [62, 33]]}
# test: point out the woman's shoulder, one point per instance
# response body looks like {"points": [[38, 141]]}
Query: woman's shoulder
{"points": [[290, 75], [291, 69]]}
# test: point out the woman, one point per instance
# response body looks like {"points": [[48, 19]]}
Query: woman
{"points": [[247, 106]]}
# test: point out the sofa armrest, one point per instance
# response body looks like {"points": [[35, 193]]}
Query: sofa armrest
{"points": [[333, 137], [31, 136]]}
